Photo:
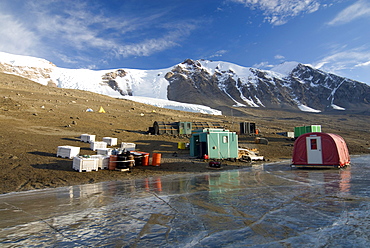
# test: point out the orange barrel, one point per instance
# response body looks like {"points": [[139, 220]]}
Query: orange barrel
{"points": [[145, 159], [156, 160], [112, 162]]}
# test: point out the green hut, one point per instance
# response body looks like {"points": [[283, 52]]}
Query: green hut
{"points": [[298, 131]]}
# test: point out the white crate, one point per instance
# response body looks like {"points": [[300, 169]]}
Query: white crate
{"points": [[85, 164], [110, 141], [97, 144], [104, 151], [88, 138], [128, 146], [103, 161], [290, 134], [68, 151]]}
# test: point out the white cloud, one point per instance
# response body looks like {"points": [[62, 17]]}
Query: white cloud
{"points": [[363, 64], [278, 12], [262, 65], [145, 48], [343, 62], [150, 46], [78, 28], [15, 37], [219, 53], [278, 56], [357, 10]]}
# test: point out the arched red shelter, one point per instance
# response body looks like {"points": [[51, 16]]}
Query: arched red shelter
{"points": [[320, 150]]}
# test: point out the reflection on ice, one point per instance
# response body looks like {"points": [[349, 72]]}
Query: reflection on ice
{"points": [[263, 206]]}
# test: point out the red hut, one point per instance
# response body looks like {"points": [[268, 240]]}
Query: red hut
{"points": [[320, 150]]}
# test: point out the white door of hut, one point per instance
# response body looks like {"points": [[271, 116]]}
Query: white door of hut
{"points": [[314, 151]]}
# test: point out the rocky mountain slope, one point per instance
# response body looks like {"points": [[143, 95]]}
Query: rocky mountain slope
{"points": [[301, 87], [219, 85]]}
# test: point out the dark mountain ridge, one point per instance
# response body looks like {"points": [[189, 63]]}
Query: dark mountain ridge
{"points": [[304, 87]]}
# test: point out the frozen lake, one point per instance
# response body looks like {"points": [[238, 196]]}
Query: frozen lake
{"points": [[260, 206]]}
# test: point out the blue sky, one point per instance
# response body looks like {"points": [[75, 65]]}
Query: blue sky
{"points": [[152, 34]]}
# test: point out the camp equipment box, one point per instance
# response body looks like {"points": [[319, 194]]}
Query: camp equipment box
{"points": [[98, 144], [128, 146], [290, 134], [103, 161], [87, 138], [68, 151], [104, 151], [216, 143], [81, 164], [110, 141]]}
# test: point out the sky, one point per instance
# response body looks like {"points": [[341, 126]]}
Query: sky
{"points": [[333, 36]]}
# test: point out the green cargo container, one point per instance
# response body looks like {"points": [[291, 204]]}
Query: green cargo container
{"points": [[298, 131], [216, 143]]}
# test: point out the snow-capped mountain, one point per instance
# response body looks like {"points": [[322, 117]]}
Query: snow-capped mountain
{"points": [[213, 84], [290, 85]]}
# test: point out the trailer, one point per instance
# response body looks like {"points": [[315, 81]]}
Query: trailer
{"points": [[214, 144], [181, 127]]}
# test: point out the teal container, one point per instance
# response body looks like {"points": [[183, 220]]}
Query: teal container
{"points": [[216, 143]]}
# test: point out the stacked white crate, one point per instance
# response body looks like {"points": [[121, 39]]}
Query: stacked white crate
{"points": [[128, 146], [88, 138], [103, 161], [110, 141], [68, 151], [104, 151], [97, 144], [85, 164]]}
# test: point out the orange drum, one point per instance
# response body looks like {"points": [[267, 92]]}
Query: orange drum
{"points": [[156, 160], [145, 159], [112, 162]]}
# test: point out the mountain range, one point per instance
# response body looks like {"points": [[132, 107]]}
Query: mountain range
{"points": [[215, 84]]}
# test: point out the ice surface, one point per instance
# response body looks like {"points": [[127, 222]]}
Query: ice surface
{"points": [[269, 205]]}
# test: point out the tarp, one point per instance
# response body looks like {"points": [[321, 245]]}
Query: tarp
{"points": [[334, 150], [101, 110]]}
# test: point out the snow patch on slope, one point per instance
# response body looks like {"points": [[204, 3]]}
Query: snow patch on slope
{"points": [[21, 60], [305, 108], [212, 66], [336, 107], [161, 103], [285, 68]]}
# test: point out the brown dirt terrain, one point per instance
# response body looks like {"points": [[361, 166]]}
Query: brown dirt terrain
{"points": [[36, 119]]}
